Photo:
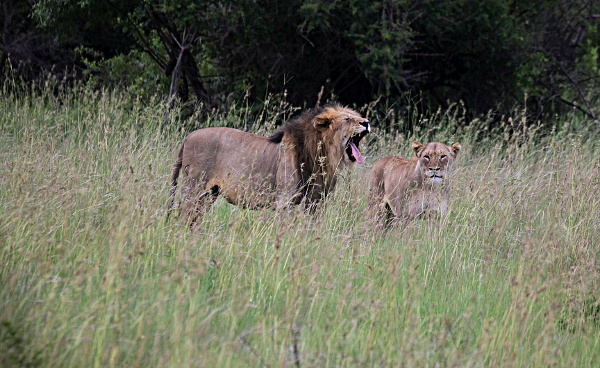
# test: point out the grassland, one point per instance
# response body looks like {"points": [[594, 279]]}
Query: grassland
{"points": [[92, 276]]}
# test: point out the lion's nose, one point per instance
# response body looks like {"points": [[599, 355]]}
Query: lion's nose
{"points": [[366, 125]]}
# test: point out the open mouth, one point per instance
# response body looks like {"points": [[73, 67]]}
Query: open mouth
{"points": [[352, 148]]}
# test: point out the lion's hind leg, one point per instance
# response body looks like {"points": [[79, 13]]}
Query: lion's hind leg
{"points": [[196, 206], [196, 200]]}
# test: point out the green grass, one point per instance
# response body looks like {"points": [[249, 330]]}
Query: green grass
{"points": [[92, 276]]}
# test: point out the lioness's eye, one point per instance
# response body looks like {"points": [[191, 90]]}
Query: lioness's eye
{"points": [[426, 157], [443, 156]]}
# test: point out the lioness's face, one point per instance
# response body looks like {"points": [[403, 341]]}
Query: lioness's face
{"points": [[345, 128], [435, 160]]}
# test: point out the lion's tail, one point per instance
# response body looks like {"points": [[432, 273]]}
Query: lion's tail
{"points": [[174, 177]]}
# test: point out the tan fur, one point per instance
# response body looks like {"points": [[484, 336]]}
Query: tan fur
{"points": [[299, 161], [404, 188]]}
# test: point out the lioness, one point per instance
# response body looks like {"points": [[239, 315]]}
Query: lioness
{"points": [[403, 188], [298, 162]]}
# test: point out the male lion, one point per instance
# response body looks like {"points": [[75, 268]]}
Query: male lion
{"points": [[409, 188], [298, 162]]}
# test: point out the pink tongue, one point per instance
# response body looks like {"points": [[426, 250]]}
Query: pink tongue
{"points": [[356, 153]]}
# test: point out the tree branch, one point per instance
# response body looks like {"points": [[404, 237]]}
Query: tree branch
{"points": [[145, 45], [581, 94], [577, 107]]}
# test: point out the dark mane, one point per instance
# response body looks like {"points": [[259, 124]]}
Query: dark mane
{"points": [[276, 137], [295, 125]]}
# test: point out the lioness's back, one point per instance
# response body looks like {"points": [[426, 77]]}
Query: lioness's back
{"points": [[390, 165]]}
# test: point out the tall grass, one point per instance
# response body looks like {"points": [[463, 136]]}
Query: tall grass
{"points": [[92, 276]]}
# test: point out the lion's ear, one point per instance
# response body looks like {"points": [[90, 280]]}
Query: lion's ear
{"points": [[416, 146], [320, 123], [324, 119], [455, 148]]}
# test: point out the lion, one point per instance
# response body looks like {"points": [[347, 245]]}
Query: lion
{"points": [[299, 162], [403, 188]]}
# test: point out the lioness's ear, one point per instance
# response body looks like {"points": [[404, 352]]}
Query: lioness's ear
{"points": [[416, 146], [455, 148]]}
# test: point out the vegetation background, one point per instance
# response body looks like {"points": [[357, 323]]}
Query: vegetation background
{"points": [[98, 95], [490, 54]]}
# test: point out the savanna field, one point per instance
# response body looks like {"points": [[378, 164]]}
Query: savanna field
{"points": [[91, 275]]}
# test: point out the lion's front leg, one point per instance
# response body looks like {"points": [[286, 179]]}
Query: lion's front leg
{"points": [[287, 196], [288, 181]]}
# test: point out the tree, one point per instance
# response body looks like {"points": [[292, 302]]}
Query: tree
{"points": [[562, 61], [353, 47], [489, 54], [492, 53]]}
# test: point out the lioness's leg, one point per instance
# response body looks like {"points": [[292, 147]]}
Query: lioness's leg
{"points": [[380, 215], [391, 219], [377, 206]]}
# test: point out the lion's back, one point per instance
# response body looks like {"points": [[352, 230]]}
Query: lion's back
{"points": [[229, 152]]}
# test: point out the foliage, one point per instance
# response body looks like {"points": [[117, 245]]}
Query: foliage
{"points": [[488, 54], [468, 50], [27, 52], [134, 72]]}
